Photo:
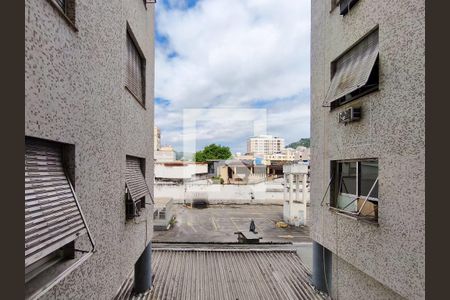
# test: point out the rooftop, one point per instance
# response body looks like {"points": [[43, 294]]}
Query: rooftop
{"points": [[226, 273]]}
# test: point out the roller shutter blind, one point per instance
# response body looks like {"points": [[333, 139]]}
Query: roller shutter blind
{"points": [[52, 214], [135, 71], [134, 178], [62, 4], [352, 69]]}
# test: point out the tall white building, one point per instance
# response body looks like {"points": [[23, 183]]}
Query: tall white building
{"points": [[265, 144]]}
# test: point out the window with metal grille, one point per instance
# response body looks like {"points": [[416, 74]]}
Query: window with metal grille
{"points": [[135, 72], [355, 73], [53, 217], [136, 187], [354, 188]]}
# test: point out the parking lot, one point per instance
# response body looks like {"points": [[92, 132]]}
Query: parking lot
{"points": [[217, 223]]}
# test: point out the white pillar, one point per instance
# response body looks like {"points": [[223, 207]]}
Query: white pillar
{"points": [[284, 188], [297, 187], [304, 191], [291, 189]]}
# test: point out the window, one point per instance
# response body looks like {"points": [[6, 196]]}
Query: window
{"points": [[135, 74], [67, 9], [354, 189], [62, 4], [136, 187], [355, 73], [53, 218], [345, 5]]}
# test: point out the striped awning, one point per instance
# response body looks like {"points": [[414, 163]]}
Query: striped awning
{"points": [[353, 68], [135, 180], [52, 213]]}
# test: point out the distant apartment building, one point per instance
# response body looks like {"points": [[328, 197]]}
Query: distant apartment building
{"points": [[265, 144], [165, 154], [157, 138], [289, 154], [368, 148], [89, 73]]}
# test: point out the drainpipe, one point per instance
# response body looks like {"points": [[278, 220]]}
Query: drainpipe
{"points": [[143, 271], [321, 275]]}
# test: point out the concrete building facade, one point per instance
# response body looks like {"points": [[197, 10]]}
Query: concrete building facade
{"points": [[165, 154], [265, 144], [81, 58], [368, 148]]}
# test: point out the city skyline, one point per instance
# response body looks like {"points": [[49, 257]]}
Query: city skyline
{"points": [[223, 69]]}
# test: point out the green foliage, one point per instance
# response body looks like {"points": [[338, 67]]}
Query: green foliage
{"points": [[305, 142], [212, 151]]}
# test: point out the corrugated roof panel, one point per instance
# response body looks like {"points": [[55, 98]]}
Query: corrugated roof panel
{"points": [[135, 178], [204, 274], [52, 216]]}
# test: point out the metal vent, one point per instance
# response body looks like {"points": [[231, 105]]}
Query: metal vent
{"points": [[135, 180], [52, 214], [353, 68]]}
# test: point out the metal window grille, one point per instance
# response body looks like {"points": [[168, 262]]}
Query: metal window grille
{"points": [[135, 77]]}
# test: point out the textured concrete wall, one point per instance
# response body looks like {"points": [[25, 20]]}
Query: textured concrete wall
{"points": [[351, 283], [75, 94], [392, 129]]}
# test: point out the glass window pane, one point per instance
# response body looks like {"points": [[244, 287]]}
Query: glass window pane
{"points": [[369, 173], [348, 178]]}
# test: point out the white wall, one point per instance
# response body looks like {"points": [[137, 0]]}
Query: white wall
{"points": [[185, 171], [220, 194]]}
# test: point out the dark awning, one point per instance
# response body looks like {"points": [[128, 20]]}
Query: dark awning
{"points": [[346, 5], [135, 180], [52, 214], [353, 68]]}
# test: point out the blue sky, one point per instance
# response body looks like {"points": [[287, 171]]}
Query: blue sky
{"points": [[238, 54]]}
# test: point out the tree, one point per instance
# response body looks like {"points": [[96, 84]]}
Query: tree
{"points": [[212, 151], [305, 142]]}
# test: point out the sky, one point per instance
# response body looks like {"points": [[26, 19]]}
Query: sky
{"points": [[229, 62]]}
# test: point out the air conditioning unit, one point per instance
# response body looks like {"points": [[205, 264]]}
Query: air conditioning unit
{"points": [[350, 114]]}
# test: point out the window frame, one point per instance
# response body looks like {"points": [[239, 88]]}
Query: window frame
{"points": [[140, 203], [67, 11], [373, 80], [131, 38], [49, 269], [336, 183], [360, 92]]}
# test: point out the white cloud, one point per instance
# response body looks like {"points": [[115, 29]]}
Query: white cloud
{"points": [[230, 53]]}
